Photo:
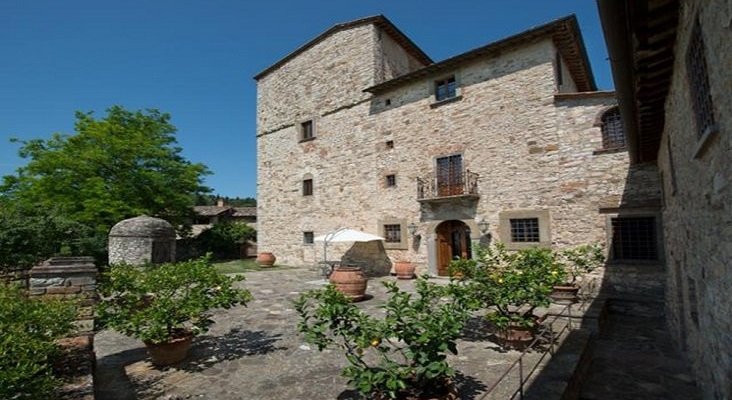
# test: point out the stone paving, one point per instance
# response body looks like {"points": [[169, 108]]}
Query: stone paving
{"points": [[255, 352]]}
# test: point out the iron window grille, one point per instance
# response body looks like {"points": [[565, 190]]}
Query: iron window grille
{"points": [[634, 238], [613, 134], [393, 233], [390, 180], [308, 237], [696, 67], [525, 230], [307, 187], [445, 89]]}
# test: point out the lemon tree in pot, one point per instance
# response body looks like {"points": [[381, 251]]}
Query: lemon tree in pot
{"points": [[511, 285], [400, 354], [166, 305], [576, 262]]}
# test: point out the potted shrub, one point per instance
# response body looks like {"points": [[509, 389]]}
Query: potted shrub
{"points": [[512, 285], [166, 305], [576, 261], [400, 354]]}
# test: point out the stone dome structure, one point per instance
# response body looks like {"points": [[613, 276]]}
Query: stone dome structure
{"points": [[142, 240]]}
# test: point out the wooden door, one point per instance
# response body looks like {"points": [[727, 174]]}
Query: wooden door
{"points": [[449, 175], [453, 242]]}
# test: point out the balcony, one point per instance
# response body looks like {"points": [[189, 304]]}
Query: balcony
{"points": [[443, 187]]}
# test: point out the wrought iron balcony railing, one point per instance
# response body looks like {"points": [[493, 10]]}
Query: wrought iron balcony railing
{"points": [[437, 186]]}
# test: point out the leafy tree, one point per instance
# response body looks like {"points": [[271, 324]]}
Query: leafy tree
{"points": [[224, 239], [119, 166], [206, 199]]}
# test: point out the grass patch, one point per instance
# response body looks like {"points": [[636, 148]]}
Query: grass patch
{"points": [[237, 266]]}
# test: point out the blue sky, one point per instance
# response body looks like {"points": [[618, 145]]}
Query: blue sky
{"points": [[195, 60]]}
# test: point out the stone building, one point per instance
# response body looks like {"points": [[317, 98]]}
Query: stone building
{"points": [[671, 65], [511, 141]]}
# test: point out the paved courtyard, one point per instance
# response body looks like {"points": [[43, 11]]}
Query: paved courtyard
{"points": [[255, 352]]}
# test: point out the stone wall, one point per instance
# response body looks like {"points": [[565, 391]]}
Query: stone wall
{"points": [[697, 209], [533, 149]]}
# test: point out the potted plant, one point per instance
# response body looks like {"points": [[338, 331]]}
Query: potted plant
{"points": [[512, 285], [576, 261], [400, 354], [166, 305]]}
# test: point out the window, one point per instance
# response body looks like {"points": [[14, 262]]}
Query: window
{"points": [[308, 237], [390, 180], [392, 233], [307, 187], [387, 102], [701, 97], [525, 230], [389, 144], [558, 62], [445, 89], [449, 175], [613, 134], [306, 131], [521, 229], [634, 238]]}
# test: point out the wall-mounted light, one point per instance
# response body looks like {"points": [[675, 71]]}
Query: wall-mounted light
{"points": [[412, 228], [483, 226]]}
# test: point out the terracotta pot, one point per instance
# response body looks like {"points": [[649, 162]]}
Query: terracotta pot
{"points": [[171, 352], [404, 270], [517, 335], [564, 294], [266, 259], [350, 281]]}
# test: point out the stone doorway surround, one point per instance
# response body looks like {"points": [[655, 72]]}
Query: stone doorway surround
{"points": [[432, 241]]}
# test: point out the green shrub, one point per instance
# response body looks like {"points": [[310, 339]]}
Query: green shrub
{"points": [[404, 351], [224, 239], [156, 303], [582, 259], [28, 330]]}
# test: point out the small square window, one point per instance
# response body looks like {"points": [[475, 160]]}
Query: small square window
{"points": [[634, 238], [308, 237], [525, 230], [445, 89], [387, 102], [307, 187], [392, 233], [390, 180], [306, 131], [389, 144]]}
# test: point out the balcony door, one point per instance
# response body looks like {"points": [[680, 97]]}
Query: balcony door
{"points": [[453, 243], [449, 175]]}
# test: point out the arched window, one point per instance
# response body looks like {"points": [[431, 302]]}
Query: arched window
{"points": [[613, 134]]}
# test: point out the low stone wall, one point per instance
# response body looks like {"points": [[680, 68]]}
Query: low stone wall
{"points": [[72, 278]]}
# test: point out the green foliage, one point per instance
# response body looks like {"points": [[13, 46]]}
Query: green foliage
{"points": [[28, 329], [406, 349], [513, 283], [205, 199], [224, 239], [123, 165], [156, 303], [582, 259]]}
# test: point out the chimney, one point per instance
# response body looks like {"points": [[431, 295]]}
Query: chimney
{"points": [[220, 202]]}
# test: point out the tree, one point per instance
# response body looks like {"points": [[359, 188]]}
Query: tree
{"points": [[123, 165]]}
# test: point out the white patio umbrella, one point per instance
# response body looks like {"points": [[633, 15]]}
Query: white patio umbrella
{"points": [[344, 235]]}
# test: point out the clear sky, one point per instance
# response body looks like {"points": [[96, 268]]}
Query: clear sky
{"points": [[196, 59]]}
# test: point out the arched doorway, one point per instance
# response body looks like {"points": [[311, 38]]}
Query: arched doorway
{"points": [[453, 242]]}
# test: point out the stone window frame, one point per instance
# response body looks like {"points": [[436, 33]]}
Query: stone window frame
{"points": [[308, 238], [699, 89], [504, 227], [639, 213], [301, 130], [442, 78], [402, 244], [600, 121]]}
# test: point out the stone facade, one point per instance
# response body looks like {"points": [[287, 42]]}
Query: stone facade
{"points": [[697, 209], [532, 142], [142, 240]]}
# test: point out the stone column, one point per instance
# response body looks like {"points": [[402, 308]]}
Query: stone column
{"points": [[68, 278]]}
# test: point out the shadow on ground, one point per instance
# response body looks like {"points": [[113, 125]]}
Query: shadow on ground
{"points": [[468, 388]]}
